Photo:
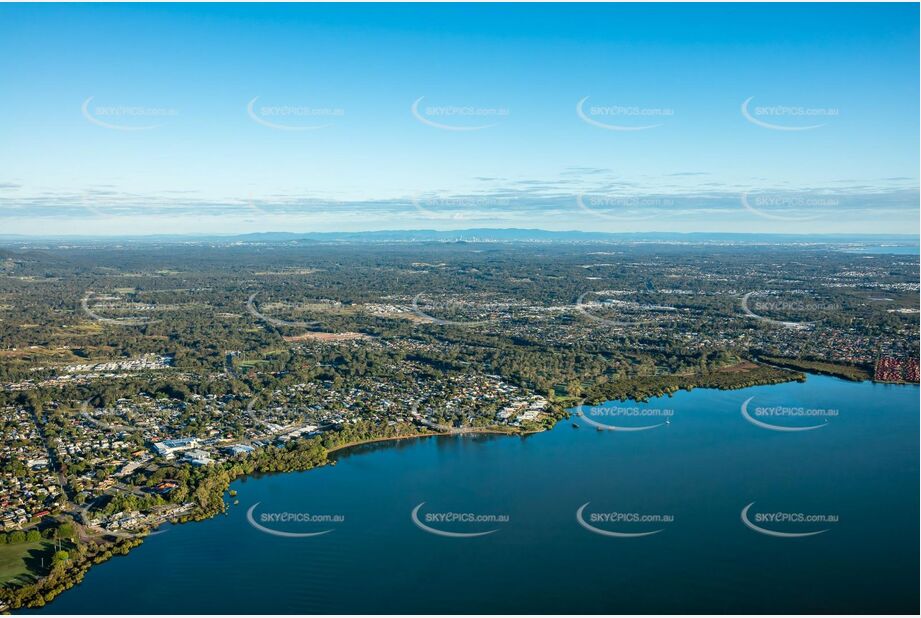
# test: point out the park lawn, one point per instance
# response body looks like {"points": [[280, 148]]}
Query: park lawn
{"points": [[23, 559], [840, 370], [251, 364]]}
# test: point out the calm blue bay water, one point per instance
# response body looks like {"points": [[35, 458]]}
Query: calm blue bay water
{"points": [[890, 249], [702, 469]]}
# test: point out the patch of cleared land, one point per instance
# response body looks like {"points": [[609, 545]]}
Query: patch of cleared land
{"points": [[293, 271], [23, 561], [840, 370], [314, 336]]}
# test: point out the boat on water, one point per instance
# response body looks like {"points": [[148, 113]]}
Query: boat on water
{"points": [[575, 426]]}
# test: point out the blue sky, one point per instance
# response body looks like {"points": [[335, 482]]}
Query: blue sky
{"points": [[238, 118]]}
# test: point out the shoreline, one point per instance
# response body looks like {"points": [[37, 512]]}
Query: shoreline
{"points": [[470, 432], [123, 546]]}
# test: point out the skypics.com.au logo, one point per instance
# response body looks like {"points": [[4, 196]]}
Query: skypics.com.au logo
{"points": [[621, 524], [457, 525], [462, 208], [293, 524], [457, 309], [458, 117], [114, 302], [787, 207], [628, 117], [801, 310], [622, 308], [786, 117], [624, 208], [620, 418], [126, 117], [256, 313], [777, 418], [293, 117], [785, 524]]}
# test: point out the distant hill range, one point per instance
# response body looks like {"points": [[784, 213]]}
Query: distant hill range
{"points": [[491, 235], [537, 235]]}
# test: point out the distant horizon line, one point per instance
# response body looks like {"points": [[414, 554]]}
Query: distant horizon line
{"points": [[466, 231]]}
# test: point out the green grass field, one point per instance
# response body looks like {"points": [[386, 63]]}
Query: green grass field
{"points": [[841, 370], [23, 562]]}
